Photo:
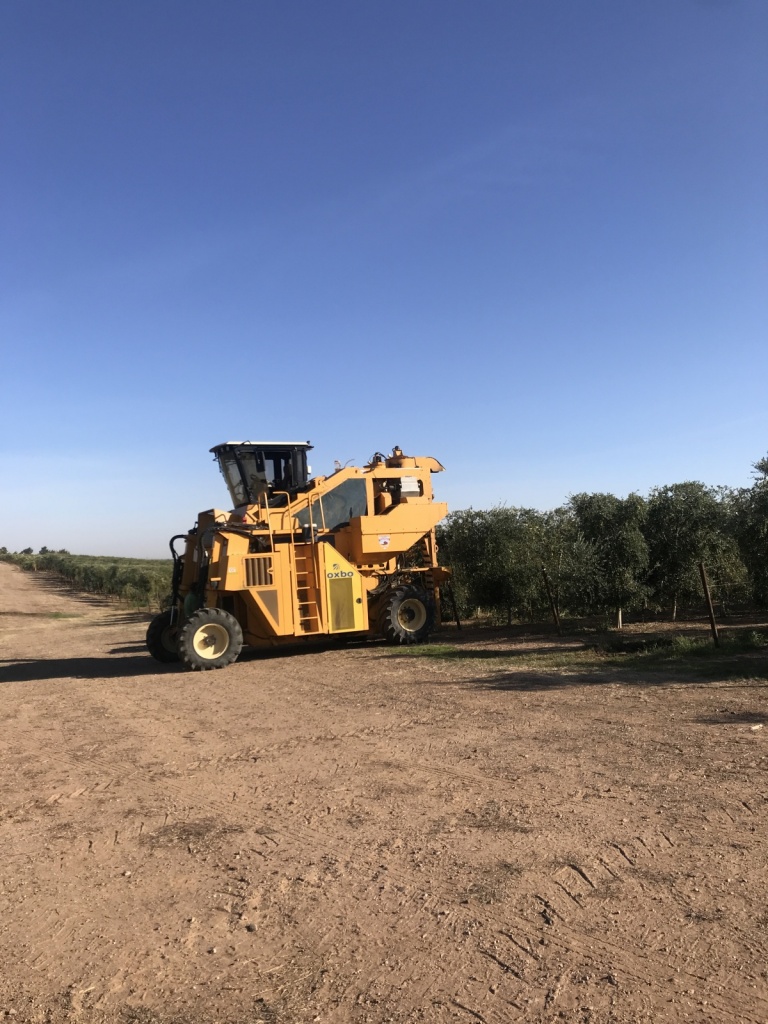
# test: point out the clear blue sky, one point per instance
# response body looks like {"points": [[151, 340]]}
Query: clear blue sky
{"points": [[528, 237]]}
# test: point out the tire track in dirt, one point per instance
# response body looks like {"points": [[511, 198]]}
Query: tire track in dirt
{"points": [[561, 899], [508, 945], [564, 898], [480, 778]]}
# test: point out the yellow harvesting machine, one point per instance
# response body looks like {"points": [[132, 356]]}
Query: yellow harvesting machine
{"points": [[349, 555]]}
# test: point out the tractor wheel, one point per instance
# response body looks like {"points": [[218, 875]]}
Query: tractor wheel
{"points": [[408, 616], [163, 636], [210, 638]]}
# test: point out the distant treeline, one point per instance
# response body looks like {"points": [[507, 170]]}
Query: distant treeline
{"points": [[139, 582], [603, 554], [596, 554]]}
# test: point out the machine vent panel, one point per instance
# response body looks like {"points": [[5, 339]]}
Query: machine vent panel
{"points": [[258, 571]]}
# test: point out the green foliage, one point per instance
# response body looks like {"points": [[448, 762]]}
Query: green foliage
{"points": [[496, 560], [689, 523], [614, 528], [572, 563], [139, 582], [602, 553], [750, 526]]}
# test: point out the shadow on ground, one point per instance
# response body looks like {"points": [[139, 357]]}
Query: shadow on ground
{"points": [[134, 661], [587, 666], [36, 670], [41, 615], [526, 682], [735, 718], [55, 584], [125, 618]]}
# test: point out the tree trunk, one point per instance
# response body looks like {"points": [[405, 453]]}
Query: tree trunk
{"points": [[619, 622], [674, 608]]}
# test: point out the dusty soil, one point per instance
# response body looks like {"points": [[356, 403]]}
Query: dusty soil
{"points": [[361, 835]]}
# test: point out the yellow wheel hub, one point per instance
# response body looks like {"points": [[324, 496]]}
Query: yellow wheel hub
{"points": [[211, 641], [411, 615]]}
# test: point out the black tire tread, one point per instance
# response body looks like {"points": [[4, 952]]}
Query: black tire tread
{"points": [[391, 629], [156, 637], [187, 653]]}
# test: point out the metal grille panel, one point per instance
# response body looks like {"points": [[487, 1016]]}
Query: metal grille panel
{"points": [[258, 571]]}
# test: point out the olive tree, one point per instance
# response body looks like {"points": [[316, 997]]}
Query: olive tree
{"points": [[688, 523], [751, 530], [496, 560], [614, 528]]}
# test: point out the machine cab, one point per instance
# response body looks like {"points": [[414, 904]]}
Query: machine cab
{"points": [[259, 472]]}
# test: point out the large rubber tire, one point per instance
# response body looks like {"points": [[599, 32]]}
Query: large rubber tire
{"points": [[163, 636], [408, 616], [210, 638]]}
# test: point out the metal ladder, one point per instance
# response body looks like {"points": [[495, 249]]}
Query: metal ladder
{"points": [[307, 608]]}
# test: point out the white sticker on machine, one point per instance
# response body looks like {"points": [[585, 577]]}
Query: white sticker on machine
{"points": [[384, 541]]}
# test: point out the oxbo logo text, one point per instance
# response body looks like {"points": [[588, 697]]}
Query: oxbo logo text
{"points": [[339, 575]]}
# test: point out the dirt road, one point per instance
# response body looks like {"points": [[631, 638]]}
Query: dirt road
{"points": [[365, 836]]}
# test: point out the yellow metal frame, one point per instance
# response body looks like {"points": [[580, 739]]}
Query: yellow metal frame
{"points": [[286, 583]]}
